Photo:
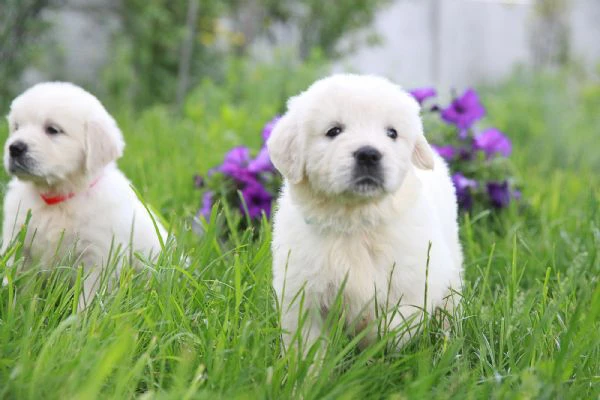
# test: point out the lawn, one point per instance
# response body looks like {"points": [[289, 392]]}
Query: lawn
{"points": [[530, 321]]}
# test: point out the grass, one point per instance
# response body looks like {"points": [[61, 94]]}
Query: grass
{"points": [[529, 328]]}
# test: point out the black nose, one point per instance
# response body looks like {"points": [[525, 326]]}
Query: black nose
{"points": [[367, 156], [17, 148]]}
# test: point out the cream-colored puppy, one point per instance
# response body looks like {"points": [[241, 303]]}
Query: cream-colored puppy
{"points": [[61, 152], [364, 197]]}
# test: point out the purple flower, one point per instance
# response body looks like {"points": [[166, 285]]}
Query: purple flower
{"points": [[257, 200], [269, 128], [423, 94], [235, 164], [238, 155], [207, 203], [446, 152], [262, 162], [492, 141], [499, 193], [464, 111], [463, 186]]}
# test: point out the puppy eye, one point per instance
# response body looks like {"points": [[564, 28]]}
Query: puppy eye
{"points": [[333, 132], [392, 133], [52, 130], [15, 127]]}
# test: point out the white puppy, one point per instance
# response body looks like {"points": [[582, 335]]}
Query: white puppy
{"points": [[61, 151], [364, 197]]}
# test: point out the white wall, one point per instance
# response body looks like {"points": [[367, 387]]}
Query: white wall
{"points": [[467, 42]]}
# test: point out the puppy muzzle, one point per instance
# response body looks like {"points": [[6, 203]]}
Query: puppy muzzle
{"points": [[367, 175], [20, 162]]}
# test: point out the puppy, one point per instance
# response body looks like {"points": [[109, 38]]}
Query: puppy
{"points": [[364, 197], [61, 152]]}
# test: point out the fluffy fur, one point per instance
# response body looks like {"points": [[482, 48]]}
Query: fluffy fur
{"points": [[71, 147], [367, 234]]}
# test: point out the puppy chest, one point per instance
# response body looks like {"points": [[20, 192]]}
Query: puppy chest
{"points": [[374, 266], [360, 265], [50, 232]]}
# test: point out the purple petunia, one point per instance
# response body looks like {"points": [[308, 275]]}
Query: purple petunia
{"points": [[423, 94], [446, 152], [235, 164], [207, 203], [499, 193], [238, 155], [492, 141], [266, 133], [464, 111], [262, 162], [257, 200], [463, 186]]}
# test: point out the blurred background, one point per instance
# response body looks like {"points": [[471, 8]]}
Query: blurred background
{"points": [[213, 72], [157, 50]]}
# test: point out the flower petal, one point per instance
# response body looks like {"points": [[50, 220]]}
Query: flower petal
{"points": [[492, 141], [257, 200], [422, 94], [262, 162], [499, 193], [207, 203], [238, 155], [463, 186], [446, 152], [464, 111]]}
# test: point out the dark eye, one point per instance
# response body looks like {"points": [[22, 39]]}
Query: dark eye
{"points": [[52, 130], [333, 132], [391, 132], [15, 127]]}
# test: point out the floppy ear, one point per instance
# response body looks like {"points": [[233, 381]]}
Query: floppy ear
{"points": [[103, 143], [285, 148], [422, 155]]}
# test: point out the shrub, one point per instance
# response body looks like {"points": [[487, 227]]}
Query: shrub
{"points": [[478, 158], [249, 184]]}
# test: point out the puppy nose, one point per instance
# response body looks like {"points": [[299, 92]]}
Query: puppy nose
{"points": [[17, 148], [367, 156]]}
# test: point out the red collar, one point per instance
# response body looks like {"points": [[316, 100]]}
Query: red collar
{"points": [[52, 200]]}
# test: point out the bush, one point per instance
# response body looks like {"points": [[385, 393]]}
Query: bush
{"points": [[149, 68], [478, 159]]}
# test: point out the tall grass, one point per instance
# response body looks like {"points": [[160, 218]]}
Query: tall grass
{"points": [[530, 319]]}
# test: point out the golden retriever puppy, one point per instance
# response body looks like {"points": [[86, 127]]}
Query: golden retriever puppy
{"points": [[364, 198], [61, 152]]}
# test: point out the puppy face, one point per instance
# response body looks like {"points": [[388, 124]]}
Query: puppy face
{"points": [[58, 132], [350, 135]]}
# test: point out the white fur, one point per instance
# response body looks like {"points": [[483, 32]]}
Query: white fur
{"points": [[327, 231], [104, 213]]}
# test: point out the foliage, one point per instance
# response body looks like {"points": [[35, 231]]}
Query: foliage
{"points": [[481, 171], [148, 49], [21, 29], [209, 329], [251, 184]]}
